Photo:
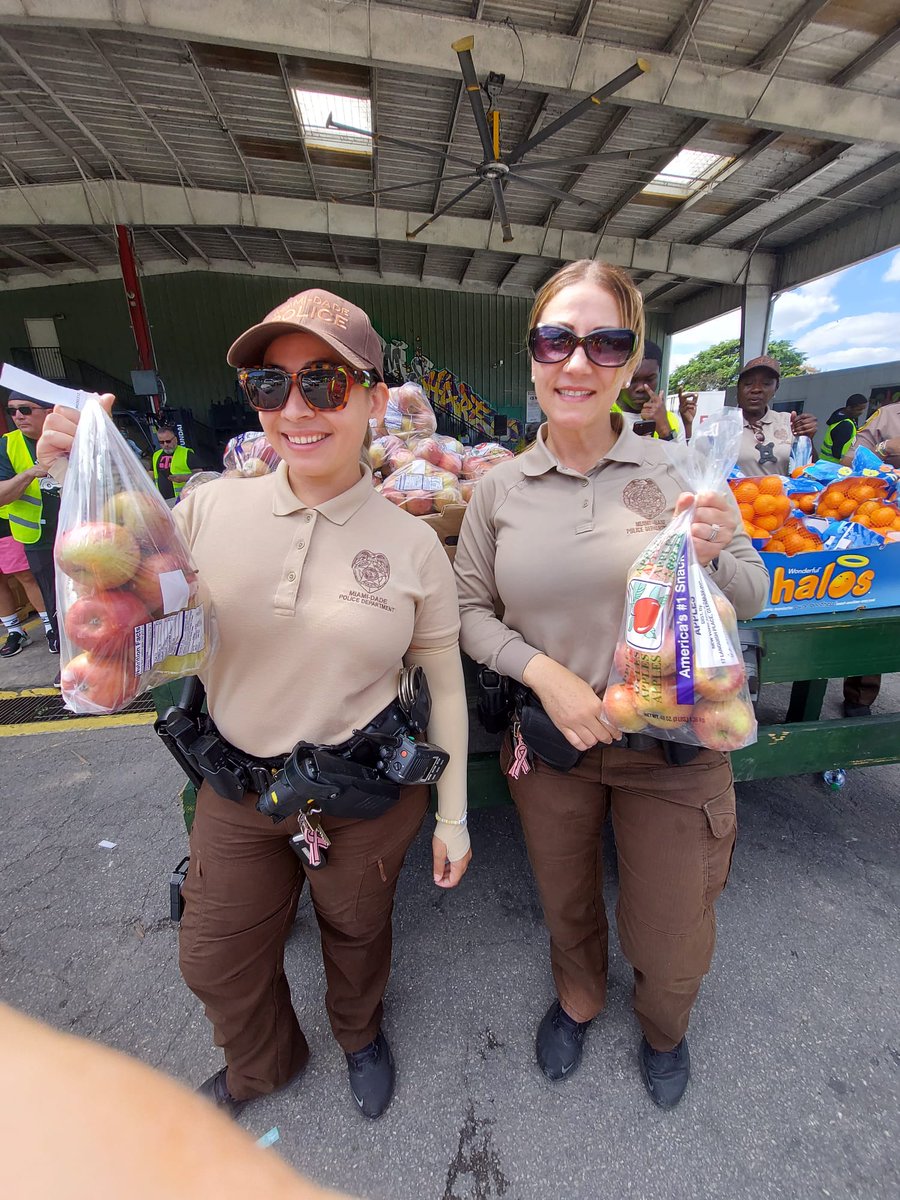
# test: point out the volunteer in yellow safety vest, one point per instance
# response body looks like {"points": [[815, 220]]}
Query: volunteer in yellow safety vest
{"points": [[840, 430], [642, 398], [29, 499], [173, 464]]}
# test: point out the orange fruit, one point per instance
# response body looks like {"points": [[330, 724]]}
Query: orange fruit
{"points": [[883, 517], [867, 507], [764, 505], [746, 511], [797, 472], [770, 524], [847, 508], [783, 506], [806, 502], [794, 543], [770, 485], [858, 520], [774, 546], [745, 491], [862, 490]]}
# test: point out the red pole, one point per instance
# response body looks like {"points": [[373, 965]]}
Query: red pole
{"points": [[137, 313]]}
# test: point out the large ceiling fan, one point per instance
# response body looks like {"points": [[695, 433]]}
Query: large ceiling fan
{"points": [[497, 170]]}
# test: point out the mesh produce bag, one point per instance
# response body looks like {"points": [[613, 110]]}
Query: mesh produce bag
{"points": [[133, 612], [678, 671]]}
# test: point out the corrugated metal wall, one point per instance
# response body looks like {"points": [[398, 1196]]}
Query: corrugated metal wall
{"points": [[195, 317]]}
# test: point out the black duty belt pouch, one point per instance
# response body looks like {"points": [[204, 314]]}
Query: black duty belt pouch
{"points": [[542, 737]]}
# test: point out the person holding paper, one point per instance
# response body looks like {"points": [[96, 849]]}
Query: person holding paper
{"points": [[30, 500]]}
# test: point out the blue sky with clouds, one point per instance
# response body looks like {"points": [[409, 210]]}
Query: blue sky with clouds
{"points": [[847, 319]]}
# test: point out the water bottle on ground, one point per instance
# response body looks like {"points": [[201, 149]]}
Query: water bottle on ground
{"points": [[835, 779]]}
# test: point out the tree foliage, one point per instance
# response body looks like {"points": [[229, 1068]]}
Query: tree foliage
{"points": [[718, 367]]}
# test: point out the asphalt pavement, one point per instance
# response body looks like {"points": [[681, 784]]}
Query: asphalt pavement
{"points": [[795, 1039]]}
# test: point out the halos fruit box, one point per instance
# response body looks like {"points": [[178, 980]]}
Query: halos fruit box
{"points": [[833, 580]]}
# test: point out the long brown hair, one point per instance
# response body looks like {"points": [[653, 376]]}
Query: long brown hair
{"points": [[611, 279]]}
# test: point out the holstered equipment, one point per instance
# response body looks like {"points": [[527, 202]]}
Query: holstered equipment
{"points": [[502, 700], [361, 777]]}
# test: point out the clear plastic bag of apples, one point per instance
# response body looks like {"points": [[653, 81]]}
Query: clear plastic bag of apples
{"points": [[132, 609], [678, 671]]}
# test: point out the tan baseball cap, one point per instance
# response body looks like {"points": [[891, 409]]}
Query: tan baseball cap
{"points": [[765, 361], [346, 329]]}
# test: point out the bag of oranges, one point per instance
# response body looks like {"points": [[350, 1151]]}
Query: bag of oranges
{"points": [[678, 670], [762, 503]]}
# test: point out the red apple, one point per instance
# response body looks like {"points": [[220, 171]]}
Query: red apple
{"points": [[619, 708], [99, 553], [718, 683], [145, 583], [660, 707], [724, 725], [419, 503], [104, 621], [91, 685], [147, 517]]}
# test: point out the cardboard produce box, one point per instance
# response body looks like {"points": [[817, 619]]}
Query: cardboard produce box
{"points": [[447, 525], [833, 580]]}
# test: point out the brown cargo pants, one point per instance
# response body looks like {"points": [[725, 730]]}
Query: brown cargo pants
{"points": [[674, 830], [241, 896]]}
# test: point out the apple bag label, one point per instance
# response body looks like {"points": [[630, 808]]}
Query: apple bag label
{"points": [[181, 633], [176, 591], [42, 389], [712, 645], [684, 631]]}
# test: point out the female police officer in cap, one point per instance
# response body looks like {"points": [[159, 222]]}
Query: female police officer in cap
{"points": [[583, 502], [323, 590]]}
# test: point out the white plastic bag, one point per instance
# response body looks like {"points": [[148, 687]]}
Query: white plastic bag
{"points": [[678, 671], [133, 612]]}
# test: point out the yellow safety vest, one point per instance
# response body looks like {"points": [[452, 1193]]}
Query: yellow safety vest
{"points": [[24, 515], [179, 466]]}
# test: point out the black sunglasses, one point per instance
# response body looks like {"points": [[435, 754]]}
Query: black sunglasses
{"points": [[25, 409], [325, 389], [604, 347]]}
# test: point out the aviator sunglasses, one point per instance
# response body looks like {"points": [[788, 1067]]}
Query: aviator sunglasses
{"points": [[325, 389], [604, 347]]}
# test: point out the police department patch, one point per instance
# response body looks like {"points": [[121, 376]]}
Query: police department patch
{"points": [[644, 496], [371, 570]]}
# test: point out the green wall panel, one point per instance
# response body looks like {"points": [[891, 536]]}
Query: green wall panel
{"points": [[195, 317]]}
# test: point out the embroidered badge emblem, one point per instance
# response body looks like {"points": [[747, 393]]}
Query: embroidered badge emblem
{"points": [[644, 496], [371, 570]]}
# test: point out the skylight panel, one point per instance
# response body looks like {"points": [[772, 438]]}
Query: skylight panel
{"points": [[314, 108], [688, 171]]}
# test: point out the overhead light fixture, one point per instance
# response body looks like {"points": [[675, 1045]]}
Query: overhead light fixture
{"points": [[314, 107], [688, 171]]}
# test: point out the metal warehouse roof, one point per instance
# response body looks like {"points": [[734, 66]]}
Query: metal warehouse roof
{"points": [[178, 120]]}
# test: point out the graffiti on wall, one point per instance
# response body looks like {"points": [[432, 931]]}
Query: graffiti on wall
{"points": [[443, 389]]}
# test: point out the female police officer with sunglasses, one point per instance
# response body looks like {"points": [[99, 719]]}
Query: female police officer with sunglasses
{"points": [[582, 503], [322, 590]]}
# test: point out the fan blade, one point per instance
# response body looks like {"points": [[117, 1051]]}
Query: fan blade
{"points": [[500, 209], [444, 208], [463, 50], [567, 197], [396, 187], [395, 141], [586, 159], [614, 85]]}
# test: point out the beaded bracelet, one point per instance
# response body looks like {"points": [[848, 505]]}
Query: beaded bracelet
{"points": [[447, 821]]}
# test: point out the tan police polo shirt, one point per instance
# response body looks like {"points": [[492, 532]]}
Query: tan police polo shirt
{"points": [[883, 425], [769, 454], [553, 547], [316, 607]]}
